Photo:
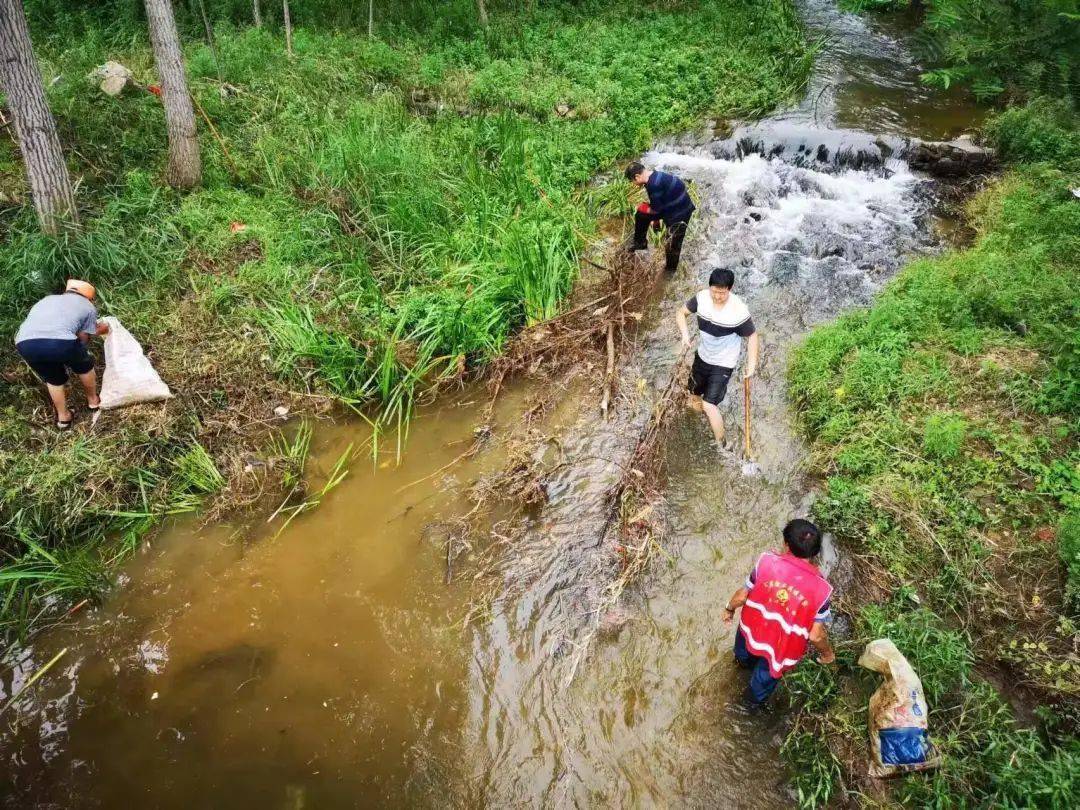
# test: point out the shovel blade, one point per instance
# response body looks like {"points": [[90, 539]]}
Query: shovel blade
{"points": [[751, 469]]}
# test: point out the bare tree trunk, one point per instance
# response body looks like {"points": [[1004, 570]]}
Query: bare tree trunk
{"points": [[256, 10], [288, 26], [210, 39], [370, 19], [482, 9], [185, 165], [35, 129]]}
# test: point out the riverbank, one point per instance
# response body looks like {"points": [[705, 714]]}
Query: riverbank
{"points": [[945, 421], [375, 216]]}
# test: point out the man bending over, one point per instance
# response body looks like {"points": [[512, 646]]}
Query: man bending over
{"points": [[785, 608], [669, 202], [53, 339]]}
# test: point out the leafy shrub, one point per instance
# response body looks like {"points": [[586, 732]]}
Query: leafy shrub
{"points": [[1046, 130], [943, 435]]}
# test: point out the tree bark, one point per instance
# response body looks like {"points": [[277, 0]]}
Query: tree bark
{"points": [[35, 129], [288, 26], [256, 11], [482, 10], [185, 165]]}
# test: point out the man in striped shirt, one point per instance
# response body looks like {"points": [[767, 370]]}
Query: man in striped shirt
{"points": [[723, 323], [669, 202]]}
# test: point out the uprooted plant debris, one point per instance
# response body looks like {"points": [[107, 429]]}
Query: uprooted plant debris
{"points": [[597, 331], [597, 328]]}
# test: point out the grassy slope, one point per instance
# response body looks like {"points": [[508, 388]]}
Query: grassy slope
{"points": [[946, 418], [352, 242]]}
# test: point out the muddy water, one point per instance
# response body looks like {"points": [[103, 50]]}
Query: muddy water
{"points": [[328, 667], [867, 78], [321, 667]]}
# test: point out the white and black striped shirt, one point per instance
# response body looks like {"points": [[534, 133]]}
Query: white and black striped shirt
{"points": [[721, 328]]}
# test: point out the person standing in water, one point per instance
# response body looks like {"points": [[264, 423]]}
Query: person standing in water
{"points": [[669, 202], [723, 323], [53, 339], [785, 608]]}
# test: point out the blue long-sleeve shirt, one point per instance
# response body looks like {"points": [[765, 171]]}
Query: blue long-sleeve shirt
{"points": [[668, 197]]}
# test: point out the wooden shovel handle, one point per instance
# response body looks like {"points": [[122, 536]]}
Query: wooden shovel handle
{"points": [[746, 415]]}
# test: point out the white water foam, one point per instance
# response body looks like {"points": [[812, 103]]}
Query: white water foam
{"points": [[774, 222]]}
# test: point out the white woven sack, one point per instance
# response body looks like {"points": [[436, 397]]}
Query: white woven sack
{"points": [[128, 377]]}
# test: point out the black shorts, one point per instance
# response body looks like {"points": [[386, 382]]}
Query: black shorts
{"points": [[50, 358], [708, 381]]}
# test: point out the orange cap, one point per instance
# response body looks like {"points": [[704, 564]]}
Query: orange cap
{"points": [[83, 288]]}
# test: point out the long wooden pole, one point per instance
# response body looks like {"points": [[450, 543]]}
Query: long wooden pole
{"points": [[746, 415]]}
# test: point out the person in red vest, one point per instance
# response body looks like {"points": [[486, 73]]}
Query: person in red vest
{"points": [[785, 608]]}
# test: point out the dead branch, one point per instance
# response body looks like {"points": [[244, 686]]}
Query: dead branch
{"points": [[609, 374]]}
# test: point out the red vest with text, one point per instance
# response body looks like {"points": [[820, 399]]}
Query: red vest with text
{"points": [[779, 612]]}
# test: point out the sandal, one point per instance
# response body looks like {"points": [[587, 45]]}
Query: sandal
{"points": [[65, 425]]}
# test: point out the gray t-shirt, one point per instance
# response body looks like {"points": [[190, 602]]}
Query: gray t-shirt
{"points": [[59, 317]]}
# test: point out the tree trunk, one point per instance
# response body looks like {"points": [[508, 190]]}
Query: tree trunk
{"points": [[288, 26], [370, 19], [35, 129], [482, 9], [210, 39], [256, 11], [185, 166]]}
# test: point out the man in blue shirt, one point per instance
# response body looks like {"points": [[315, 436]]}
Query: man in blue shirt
{"points": [[669, 202]]}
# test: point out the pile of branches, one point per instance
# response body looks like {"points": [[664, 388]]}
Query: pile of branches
{"points": [[596, 329], [635, 521], [635, 498]]}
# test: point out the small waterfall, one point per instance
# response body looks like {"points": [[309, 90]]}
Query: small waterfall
{"points": [[783, 222]]}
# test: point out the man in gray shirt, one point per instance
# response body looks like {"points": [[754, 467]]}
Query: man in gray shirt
{"points": [[53, 339]]}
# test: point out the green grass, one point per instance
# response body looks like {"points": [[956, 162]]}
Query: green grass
{"points": [[946, 419], [377, 214]]}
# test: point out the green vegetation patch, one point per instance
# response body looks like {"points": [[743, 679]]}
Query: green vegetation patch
{"points": [[375, 214], [946, 419]]}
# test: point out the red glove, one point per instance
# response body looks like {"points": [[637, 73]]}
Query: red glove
{"points": [[644, 209]]}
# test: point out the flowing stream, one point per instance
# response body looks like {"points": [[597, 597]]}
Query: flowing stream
{"points": [[328, 665]]}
